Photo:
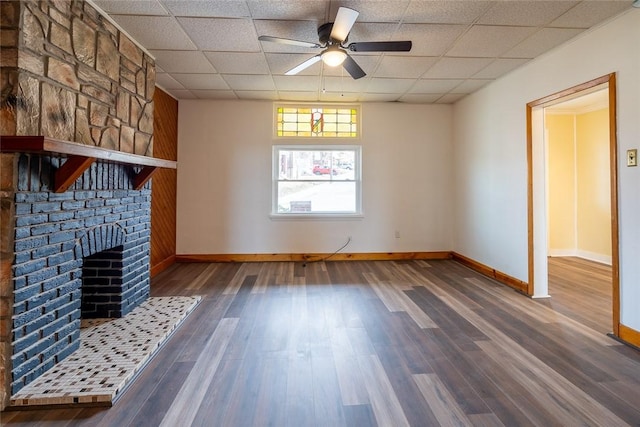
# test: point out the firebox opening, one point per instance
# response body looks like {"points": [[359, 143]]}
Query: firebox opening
{"points": [[102, 284]]}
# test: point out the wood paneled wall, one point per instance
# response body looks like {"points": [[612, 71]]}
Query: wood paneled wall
{"points": [[164, 183]]}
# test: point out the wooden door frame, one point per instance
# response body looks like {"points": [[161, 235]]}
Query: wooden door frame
{"points": [[609, 79]]}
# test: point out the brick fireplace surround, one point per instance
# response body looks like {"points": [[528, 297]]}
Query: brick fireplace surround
{"points": [[81, 253], [69, 73]]}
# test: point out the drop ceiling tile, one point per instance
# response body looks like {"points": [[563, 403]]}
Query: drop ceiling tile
{"points": [[445, 12], [156, 32], [177, 61], [373, 11], [471, 85], [138, 7], [208, 8], [297, 83], [456, 68], [167, 82], [289, 9], [525, 13], [542, 41], [450, 98], [249, 82], [339, 97], [404, 66], [280, 63], [298, 96], [371, 32], [489, 41], [182, 94], [222, 34], [214, 94], [589, 13], [238, 63], [201, 81], [499, 67], [257, 94], [306, 31], [434, 86], [417, 98], [344, 84], [379, 97], [381, 85], [429, 40]]}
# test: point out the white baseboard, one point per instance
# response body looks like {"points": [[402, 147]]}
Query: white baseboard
{"points": [[591, 256]]}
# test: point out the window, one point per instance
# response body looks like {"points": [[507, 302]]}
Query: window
{"points": [[317, 121], [316, 180]]}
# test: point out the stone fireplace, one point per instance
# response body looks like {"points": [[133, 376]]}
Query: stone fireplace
{"points": [[80, 249]]}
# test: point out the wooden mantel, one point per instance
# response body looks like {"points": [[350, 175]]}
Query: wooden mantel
{"points": [[80, 157]]}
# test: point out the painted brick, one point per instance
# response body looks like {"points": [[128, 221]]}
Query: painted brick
{"points": [[46, 207], [29, 267], [24, 294], [31, 243], [55, 282], [45, 251], [39, 323], [22, 232], [25, 220], [47, 228], [73, 204], [23, 208], [61, 236], [71, 225], [61, 216], [41, 275], [60, 258], [84, 213]]}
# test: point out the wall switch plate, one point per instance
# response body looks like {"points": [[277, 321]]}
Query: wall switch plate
{"points": [[632, 157]]}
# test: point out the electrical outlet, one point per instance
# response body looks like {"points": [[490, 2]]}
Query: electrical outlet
{"points": [[632, 157], [397, 234]]}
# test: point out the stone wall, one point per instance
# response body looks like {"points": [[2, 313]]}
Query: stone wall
{"points": [[67, 73], [72, 75]]}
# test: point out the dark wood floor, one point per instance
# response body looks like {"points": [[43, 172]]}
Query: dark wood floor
{"points": [[369, 343]]}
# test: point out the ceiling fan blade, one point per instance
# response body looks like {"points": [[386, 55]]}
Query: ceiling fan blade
{"points": [[353, 68], [306, 64], [345, 18], [400, 46], [287, 41]]}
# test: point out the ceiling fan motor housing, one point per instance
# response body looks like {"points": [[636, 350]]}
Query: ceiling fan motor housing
{"points": [[324, 34]]}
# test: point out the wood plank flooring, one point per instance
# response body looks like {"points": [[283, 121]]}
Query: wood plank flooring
{"points": [[581, 289], [384, 343]]}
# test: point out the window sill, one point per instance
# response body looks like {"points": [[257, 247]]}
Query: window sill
{"points": [[316, 217]]}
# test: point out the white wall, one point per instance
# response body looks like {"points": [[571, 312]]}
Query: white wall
{"points": [[224, 182], [490, 163]]}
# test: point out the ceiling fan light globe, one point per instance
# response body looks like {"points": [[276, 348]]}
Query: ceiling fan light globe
{"points": [[333, 57]]}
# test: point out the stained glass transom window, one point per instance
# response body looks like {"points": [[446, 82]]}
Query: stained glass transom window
{"points": [[317, 122]]}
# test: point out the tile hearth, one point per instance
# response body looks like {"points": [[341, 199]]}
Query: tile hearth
{"points": [[111, 353]]}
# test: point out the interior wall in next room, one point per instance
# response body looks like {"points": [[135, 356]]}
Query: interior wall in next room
{"points": [[579, 195], [163, 188]]}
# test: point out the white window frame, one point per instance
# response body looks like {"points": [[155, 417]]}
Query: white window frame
{"points": [[357, 170]]}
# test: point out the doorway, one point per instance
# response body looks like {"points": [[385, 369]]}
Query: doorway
{"points": [[539, 195]]}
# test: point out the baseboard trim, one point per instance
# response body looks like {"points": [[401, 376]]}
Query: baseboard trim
{"points": [[501, 277], [367, 256], [629, 335], [162, 265]]}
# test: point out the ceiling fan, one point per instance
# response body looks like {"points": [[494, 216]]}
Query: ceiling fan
{"points": [[333, 38]]}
